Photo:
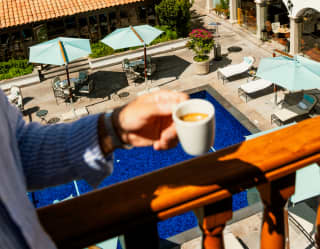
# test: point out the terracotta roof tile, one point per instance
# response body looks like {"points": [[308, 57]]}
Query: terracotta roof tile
{"points": [[17, 12]]}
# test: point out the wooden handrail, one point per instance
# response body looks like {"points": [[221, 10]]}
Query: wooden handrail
{"points": [[282, 53], [168, 192]]}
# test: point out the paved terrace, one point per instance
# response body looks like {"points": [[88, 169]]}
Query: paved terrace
{"points": [[176, 72]]}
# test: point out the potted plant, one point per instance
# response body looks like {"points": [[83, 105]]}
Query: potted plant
{"points": [[226, 13], [201, 42]]}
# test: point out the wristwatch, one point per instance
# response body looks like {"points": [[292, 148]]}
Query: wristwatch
{"points": [[116, 140]]}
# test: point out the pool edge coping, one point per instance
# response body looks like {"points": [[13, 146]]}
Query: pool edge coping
{"points": [[239, 116]]}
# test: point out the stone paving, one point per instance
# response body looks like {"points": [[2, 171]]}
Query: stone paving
{"points": [[176, 72]]}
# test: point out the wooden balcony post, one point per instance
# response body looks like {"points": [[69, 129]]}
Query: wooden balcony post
{"points": [[143, 236], [274, 196], [212, 220]]}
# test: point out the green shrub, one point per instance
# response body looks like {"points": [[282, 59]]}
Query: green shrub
{"points": [[14, 68], [167, 35], [225, 4], [175, 14], [100, 49]]}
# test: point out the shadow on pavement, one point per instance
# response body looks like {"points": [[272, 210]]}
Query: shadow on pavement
{"points": [[169, 66], [225, 61], [27, 99], [28, 112], [107, 83]]}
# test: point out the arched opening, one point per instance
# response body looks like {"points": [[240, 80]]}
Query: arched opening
{"points": [[247, 15], [278, 23], [310, 39]]}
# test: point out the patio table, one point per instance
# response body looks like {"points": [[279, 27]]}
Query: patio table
{"points": [[136, 63], [64, 83], [283, 30]]}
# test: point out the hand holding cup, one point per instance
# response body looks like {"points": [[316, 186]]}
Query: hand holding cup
{"points": [[195, 125]]}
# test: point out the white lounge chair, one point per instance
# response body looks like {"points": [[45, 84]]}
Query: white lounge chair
{"points": [[15, 97], [253, 87], [236, 69], [292, 112]]}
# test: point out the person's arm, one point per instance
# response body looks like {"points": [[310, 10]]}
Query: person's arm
{"points": [[56, 154]]}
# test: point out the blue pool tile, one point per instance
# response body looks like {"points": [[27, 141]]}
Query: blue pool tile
{"points": [[138, 161]]}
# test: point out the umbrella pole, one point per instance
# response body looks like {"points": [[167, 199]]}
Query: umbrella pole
{"points": [[145, 62], [69, 85], [68, 79], [275, 93]]}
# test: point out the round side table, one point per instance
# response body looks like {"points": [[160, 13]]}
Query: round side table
{"points": [[42, 115], [53, 120]]}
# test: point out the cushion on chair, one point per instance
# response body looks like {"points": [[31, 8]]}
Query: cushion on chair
{"points": [[308, 98], [248, 60], [85, 88], [302, 105]]}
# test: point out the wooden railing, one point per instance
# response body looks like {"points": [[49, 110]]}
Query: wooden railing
{"points": [[204, 184]]}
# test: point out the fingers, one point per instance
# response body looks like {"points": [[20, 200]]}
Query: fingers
{"points": [[161, 102], [168, 139], [138, 113], [165, 101]]}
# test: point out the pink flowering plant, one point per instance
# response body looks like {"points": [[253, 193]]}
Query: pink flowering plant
{"points": [[201, 42]]}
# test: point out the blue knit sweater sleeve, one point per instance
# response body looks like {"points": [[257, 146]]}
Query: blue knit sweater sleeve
{"points": [[56, 154]]}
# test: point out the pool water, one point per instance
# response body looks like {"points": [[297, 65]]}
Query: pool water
{"points": [[137, 161]]}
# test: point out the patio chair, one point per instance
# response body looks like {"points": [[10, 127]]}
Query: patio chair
{"points": [[83, 76], [127, 69], [149, 59], [275, 27], [253, 87], [236, 69], [58, 92], [55, 80], [151, 68], [87, 88], [16, 97], [295, 112], [125, 64]]}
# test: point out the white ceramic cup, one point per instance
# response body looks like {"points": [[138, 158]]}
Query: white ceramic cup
{"points": [[195, 137]]}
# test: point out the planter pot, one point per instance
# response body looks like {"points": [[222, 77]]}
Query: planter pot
{"points": [[201, 67]]}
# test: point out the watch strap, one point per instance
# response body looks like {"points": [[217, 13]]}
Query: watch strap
{"points": [[115, 139]]}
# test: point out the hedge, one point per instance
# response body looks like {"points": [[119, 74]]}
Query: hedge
{"points": [[14, 68]]}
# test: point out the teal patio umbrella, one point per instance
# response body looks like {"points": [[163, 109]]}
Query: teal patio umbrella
{"points": [[133, 36], [60, 51], [294, 74]]}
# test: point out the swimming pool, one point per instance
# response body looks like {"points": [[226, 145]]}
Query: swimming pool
{"points": [[137, 161]]}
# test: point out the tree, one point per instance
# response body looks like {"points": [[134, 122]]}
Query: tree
{"points": [[225, 4], [175, 14]]}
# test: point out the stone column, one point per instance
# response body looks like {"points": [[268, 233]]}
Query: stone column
{"points": [[295, 35], [261, 18], [209, 5], [233, 10]]}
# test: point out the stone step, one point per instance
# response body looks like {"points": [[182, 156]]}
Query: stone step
{"points": [[62, 71], [52, 68]]}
